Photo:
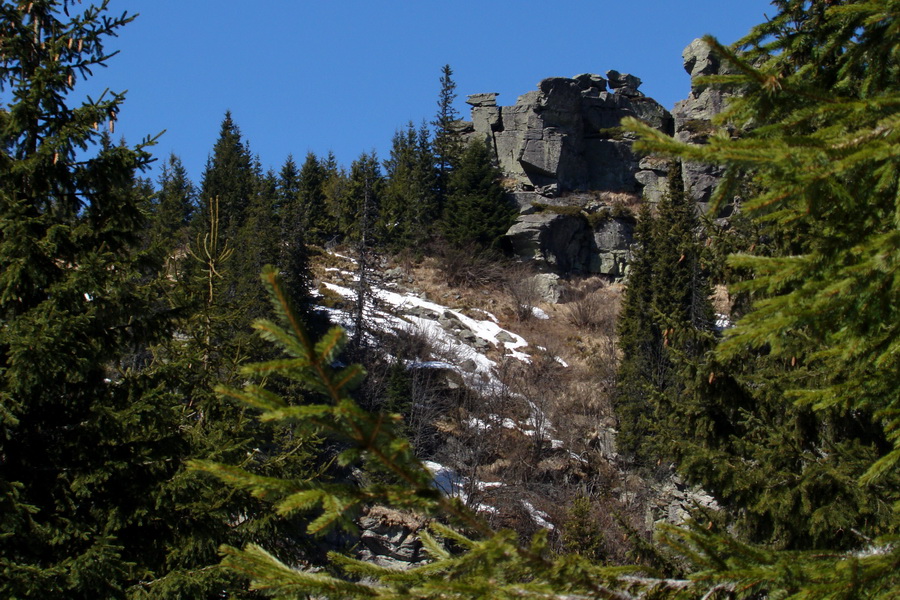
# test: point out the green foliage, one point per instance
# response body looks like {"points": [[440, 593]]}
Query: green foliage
{"points": [[803, 390], [468, 560], [447, 145], [87, 437], [173, 210], [410, 206], [665, 327], [477, 210], [823, 327], [581, 534], [229, 177]]}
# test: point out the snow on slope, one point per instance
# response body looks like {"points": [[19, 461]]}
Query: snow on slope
{"points": [[407, 312]]}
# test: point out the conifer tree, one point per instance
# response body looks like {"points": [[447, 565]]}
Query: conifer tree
{"points": [[477, 211], [639, 339], [820, 81], [364, 195], [447, 145], [666, 325], [85, 441], [410, 204], [295, 229], [807, 381], [173, 210], [230, 177], [314, 175]]}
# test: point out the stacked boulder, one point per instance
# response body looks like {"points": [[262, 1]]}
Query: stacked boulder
{"points": [[572, 169], [565, 136], [694, 117]]}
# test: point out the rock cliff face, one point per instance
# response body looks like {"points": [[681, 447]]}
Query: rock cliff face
{"points": [[573, 171], [694, 115], [565, 136]]}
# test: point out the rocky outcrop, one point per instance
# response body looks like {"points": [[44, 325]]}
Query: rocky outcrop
{"points": [[694, 116], [388, 538], [562, 148], [567, 240], [565, 135], [562, 139]]}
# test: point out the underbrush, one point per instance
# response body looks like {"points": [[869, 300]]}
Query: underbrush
{"points": [[535, 436]]}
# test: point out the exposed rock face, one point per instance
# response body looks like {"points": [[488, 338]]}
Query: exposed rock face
{"points": [[568, 243], [564, 136], [564, 139], [694, 115], [389, 538], [558, 140], [561, 242]]}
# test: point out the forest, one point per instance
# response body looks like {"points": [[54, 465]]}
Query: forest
{"points": [[199, 397]]}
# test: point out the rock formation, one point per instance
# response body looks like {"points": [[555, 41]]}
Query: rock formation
{"points": [[565, 136], [573, 170], [694, 116]]}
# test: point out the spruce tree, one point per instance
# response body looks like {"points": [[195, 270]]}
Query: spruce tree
{"points": [[477, 211], [363, 206], [666, 325], [85, 441], [447, 145], [230, 177], [295, 228], [410, 202], [173, 210], [317, 222], [639, 340], [807, 381], [820, 88]]}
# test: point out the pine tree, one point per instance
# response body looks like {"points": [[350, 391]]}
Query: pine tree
{"points": [[244, 199], [364, 195], [823, 152], [228, 176], [295, 228], [666, 326], [85, 440], [317, 221], [639, 340], [807, 381]]}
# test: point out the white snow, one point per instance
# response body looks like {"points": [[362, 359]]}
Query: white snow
{"points": [[455, 485], [538, 313], [723, 322], [539, 517]]}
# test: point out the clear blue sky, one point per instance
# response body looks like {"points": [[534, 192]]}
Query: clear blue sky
{"points": [[343, 75]]}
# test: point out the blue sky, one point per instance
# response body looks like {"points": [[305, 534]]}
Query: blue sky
{"points": [[343, 75]]}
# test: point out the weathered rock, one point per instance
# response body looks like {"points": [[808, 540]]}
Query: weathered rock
{"points": [[505, 338], [547, 287], [694, 115], [699, 59], [620, 80], [486, 99], [624, 84], [565, 136], [559, 242], [590, 81], [389, 538], [612, 242], [654, 177]]}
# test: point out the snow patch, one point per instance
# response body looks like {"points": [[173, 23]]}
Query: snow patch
{"points": [[539, 517]]}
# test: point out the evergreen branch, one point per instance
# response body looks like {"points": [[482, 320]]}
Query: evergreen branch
{"points": [[271, 575]]}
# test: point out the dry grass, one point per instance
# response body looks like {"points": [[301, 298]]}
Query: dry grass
{"points": [[575, 399]]}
